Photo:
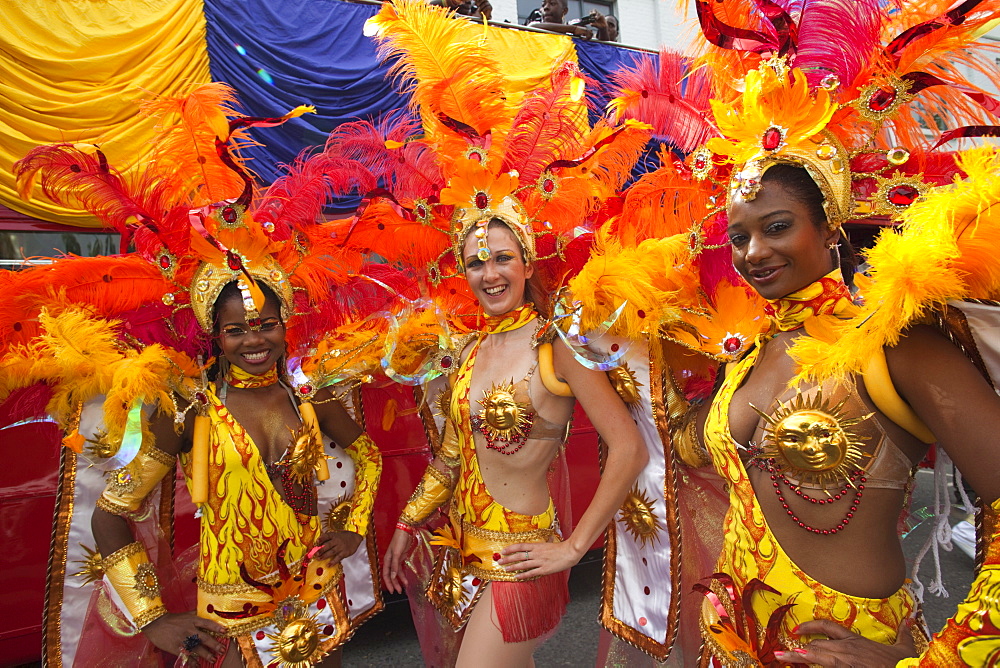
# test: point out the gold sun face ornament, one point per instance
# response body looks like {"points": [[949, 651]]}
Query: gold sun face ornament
{"points": [[638, 517], [90, 566], [502, 417], [298, 640], [303, 455], [813, 441], [624, 383]]}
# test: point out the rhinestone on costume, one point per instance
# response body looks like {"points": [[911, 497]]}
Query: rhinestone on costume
{"points": [[826, 152], [446, 362], [480, 232], [482, 200], [548, 185], [483, 254], [773, 139], [732, 344], [830, 82], [168, 299], [904, 194], [165, 261], [897, 156], [233, 261], [305, 389], [268, 226], [882, 98], [229, 214], [275, 275], [201, 397]]}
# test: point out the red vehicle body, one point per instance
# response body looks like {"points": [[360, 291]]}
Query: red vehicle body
{"points": [[31, 462]]}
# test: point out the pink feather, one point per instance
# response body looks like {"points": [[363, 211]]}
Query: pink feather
{"points": [[668, 97], [839, 37]]}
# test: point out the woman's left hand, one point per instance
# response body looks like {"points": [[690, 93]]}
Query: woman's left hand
{"points": [[529, 560], [845, 648], [337, 545]]}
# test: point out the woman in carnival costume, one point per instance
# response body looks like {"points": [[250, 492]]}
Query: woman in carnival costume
{"points": [[464, 203], [284, 566], [818, 428], [827, 373]]}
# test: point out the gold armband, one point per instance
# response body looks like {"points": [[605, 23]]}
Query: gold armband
{"points": [[449, 451], [972, 636], [433, 491], [367, 469], [134, 579], [129, 485]]}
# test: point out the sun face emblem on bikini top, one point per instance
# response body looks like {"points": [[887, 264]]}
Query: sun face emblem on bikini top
{"points": [[502, 417], [812, 440]]}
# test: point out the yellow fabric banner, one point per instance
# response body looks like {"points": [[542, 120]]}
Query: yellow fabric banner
{"points": [[526, 58], [74, 70]]}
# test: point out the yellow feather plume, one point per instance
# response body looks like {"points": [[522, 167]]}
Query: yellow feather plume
{"points": [[943, 250], [636, 275], [446, 73]]}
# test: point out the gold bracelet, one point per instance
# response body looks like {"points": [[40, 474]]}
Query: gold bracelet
{"points": [[129, 485], [134, 579], [433, 491]]}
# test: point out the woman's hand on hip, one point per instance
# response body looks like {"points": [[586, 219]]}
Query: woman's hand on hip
{"points": [[336, 546], [171, 631], [529, 560], [844, 648]]}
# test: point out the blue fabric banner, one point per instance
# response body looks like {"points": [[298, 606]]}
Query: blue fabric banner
{"points": [[278, 55]]}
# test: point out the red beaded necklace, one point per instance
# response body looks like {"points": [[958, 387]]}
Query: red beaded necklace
{"points": [[856, 481]]}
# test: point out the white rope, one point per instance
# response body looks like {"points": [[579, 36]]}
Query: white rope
{"points": [[940, 536]]}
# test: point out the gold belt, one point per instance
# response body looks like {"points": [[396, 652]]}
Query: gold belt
{"points": [[487, 545]]}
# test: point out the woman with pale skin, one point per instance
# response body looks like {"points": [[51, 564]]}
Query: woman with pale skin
{"points": [[781, 243], [516, 478], [268, 415]]}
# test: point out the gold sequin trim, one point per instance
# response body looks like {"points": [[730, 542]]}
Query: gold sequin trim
{"points": [[441, 476], [124, 553], [112, 507], [224, 589], [160, 456], [148, 616], [508, 537]]}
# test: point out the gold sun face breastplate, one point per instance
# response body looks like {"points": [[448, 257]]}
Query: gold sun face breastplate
{"points": [[503, 417], [814, 440]]}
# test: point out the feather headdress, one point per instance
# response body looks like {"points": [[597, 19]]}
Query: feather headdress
{"points": [[483, 151], [828, 87], [133, 326]]}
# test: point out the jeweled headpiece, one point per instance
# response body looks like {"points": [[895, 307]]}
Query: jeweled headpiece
{"points": [[841, 110], [486, 148]]}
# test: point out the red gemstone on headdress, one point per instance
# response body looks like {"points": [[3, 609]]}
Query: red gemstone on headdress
{"points": [[903, 194], [614, 347], [772, 139], [482, 200], [476, 155], [732, 344], [548, 185], [446, 362], [234, 262], [700, 162], [882, 99], [165, 262], [201, 397], [644, 93], [229, 214], [305, 389], [421, 211], [641, 313]]}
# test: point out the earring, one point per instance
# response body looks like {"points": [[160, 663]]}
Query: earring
{"points": [[832, 245]]}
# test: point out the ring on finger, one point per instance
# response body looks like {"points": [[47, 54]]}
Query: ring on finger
{"points": [[191, 642]]}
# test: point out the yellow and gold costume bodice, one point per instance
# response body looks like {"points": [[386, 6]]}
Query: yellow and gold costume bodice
{"points": [[750, 550], [473, 501], [245, 520]]}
